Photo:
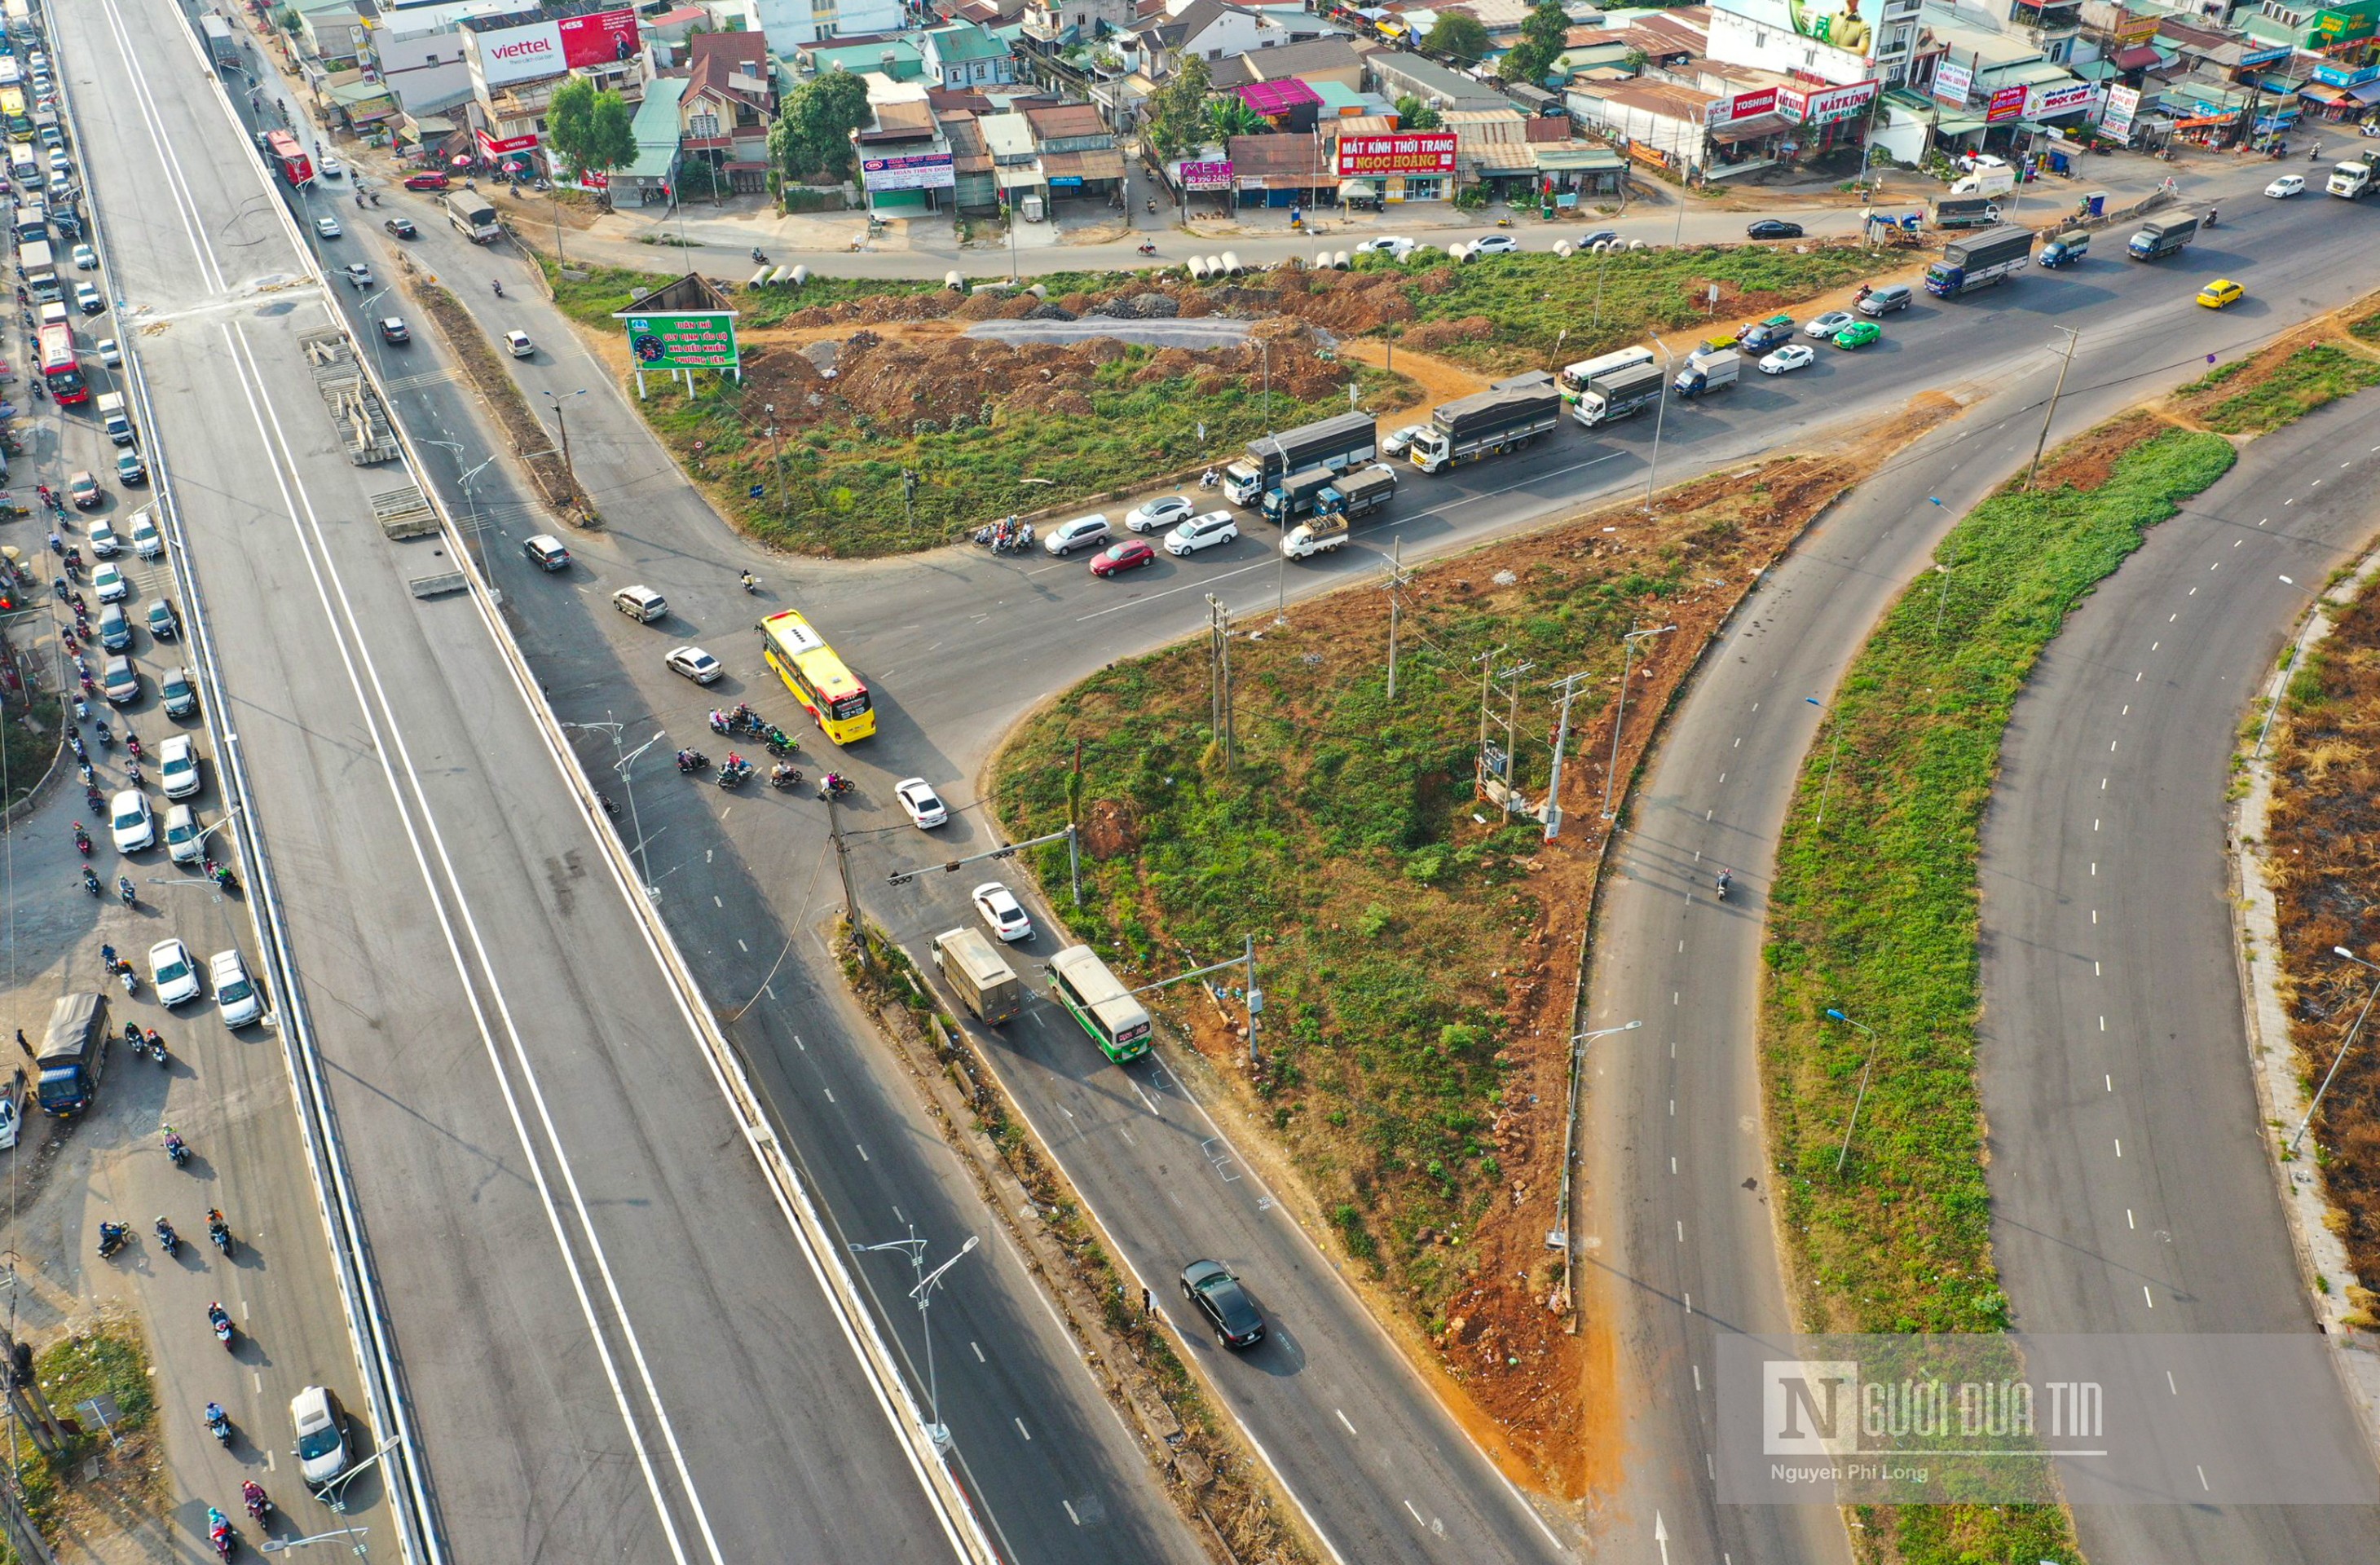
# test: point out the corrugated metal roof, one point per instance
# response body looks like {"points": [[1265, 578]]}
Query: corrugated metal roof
{"points": [[1279, 97]]}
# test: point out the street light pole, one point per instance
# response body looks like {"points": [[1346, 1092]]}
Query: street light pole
{"points": [[1619, 718], [2051, 411], [923, 1292], [1560, 1238], [620, 766], [1660, 416], [1865, 1066], [2342, 1059], [1834, 749]]}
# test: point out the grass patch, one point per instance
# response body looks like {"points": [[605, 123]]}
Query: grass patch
{"points": [[1397, 919], [1540, 310], [2321, 854], [108, 1360], [2367, 329], [2289, 389], [837, 489], [1875, 914]]}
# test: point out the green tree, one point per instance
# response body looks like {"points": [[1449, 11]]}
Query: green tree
{"points": [[1544, 35], [1415, 114], [1230, 115], [814, 134], [592, 128], [1459, 37], [1177, 111]]}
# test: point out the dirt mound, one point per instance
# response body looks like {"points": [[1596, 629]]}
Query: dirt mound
{"points": [[1110, 830]]}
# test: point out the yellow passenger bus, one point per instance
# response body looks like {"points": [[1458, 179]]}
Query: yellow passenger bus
{"points": [[18, 124], [833, 694]]}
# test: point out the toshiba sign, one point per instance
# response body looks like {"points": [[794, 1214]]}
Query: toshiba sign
{"points": [[524, 53]]}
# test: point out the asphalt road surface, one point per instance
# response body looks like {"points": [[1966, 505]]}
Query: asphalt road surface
{"points": [[1676, 1224], [2132, 1183], [612, 1343], [955, 643]]}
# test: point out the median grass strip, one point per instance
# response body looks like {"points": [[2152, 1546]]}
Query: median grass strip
{"points": [[1875, 913], [67, 1495], [2321, 856], [2264, 395]]}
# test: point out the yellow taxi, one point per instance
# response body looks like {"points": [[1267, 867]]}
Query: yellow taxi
{"points": [[2220, 292]]}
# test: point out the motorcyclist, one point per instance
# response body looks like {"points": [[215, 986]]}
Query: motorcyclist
{"points": [[784, 774], [112, 1236], [1726, 879], [218, 1230], [498, 285], [751, 583], [154, 1044], [91, 881], [172, 1242], [216, 1417], [219, 1532], [252, 1495], [176, 1147]]}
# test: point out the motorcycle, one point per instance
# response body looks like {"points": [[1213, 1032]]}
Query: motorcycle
{"points": [[176, 1148], [219, 1532], [1725, 880], [219, 1232], [156, 1048], [222, 875], [1209, 479], [721, 722], [112, 1236], [91, 881], [1147, 249], [173, 1246], [691, 761], [260, 1506], [833, 786], [123, 887], [132, 772], [746, 720], [757, 259], [751, 582], [91, 796], [780, 742], [735, 772], [131, 982], [786, 777], [498, 287], [221, 1322], [132, 745], [82, 838], [107, 735]]}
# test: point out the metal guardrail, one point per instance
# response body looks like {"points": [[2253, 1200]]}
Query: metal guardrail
{"points": [[360, 1291]]}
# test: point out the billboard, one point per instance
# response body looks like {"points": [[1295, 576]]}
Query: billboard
{"points": [[2007, 104], [549, 48], [497, 146], [1840, 24], [2072, 97], [1953, 81], [919, 171], [690, 341], [2343, 26], [1824, 105], [1409, 152], [1744, 105], [2123, 102], [1207, 176]]}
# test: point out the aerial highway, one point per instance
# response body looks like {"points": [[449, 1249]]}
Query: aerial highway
{"points": [[955, 643], [590, 1283], [1676, 1224], [2112, 1013]]}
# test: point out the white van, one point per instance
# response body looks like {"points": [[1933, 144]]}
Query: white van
{"points": [[23, 167]]}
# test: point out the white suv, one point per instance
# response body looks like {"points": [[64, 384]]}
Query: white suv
{"points": [[234, 990], [1081, 533]]}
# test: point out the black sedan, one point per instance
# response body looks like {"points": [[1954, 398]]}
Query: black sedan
{"points": [[1772, 228], [1217, 1295], [402, 228]]}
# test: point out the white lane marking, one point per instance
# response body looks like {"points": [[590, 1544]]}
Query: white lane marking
{"points": [[2130, 1221], [1023, 1430], [829, 1093], [2202, 1471], [2119, 1146], [2149, 1296], [355, 647], [862, 1152], [1416, 1515], [1070, 1512], [1682, 1230], [1343, 1418], [978, 1353]]}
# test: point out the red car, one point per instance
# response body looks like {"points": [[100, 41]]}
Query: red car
{"points": [[1127, 556], [425, 182]]}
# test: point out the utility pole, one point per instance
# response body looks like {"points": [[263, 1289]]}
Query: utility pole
{"points": [[2051, 412], [908, 499], [776, 455], [1219, 646], [1620, 716], [1396, 578], [561, 427], [1255, 1004], [850, 891], [25, 1397], [1569, 683]]}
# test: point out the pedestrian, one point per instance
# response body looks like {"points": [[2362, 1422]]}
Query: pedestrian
{"points": [[1148, 1305], [22, 1041]]}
